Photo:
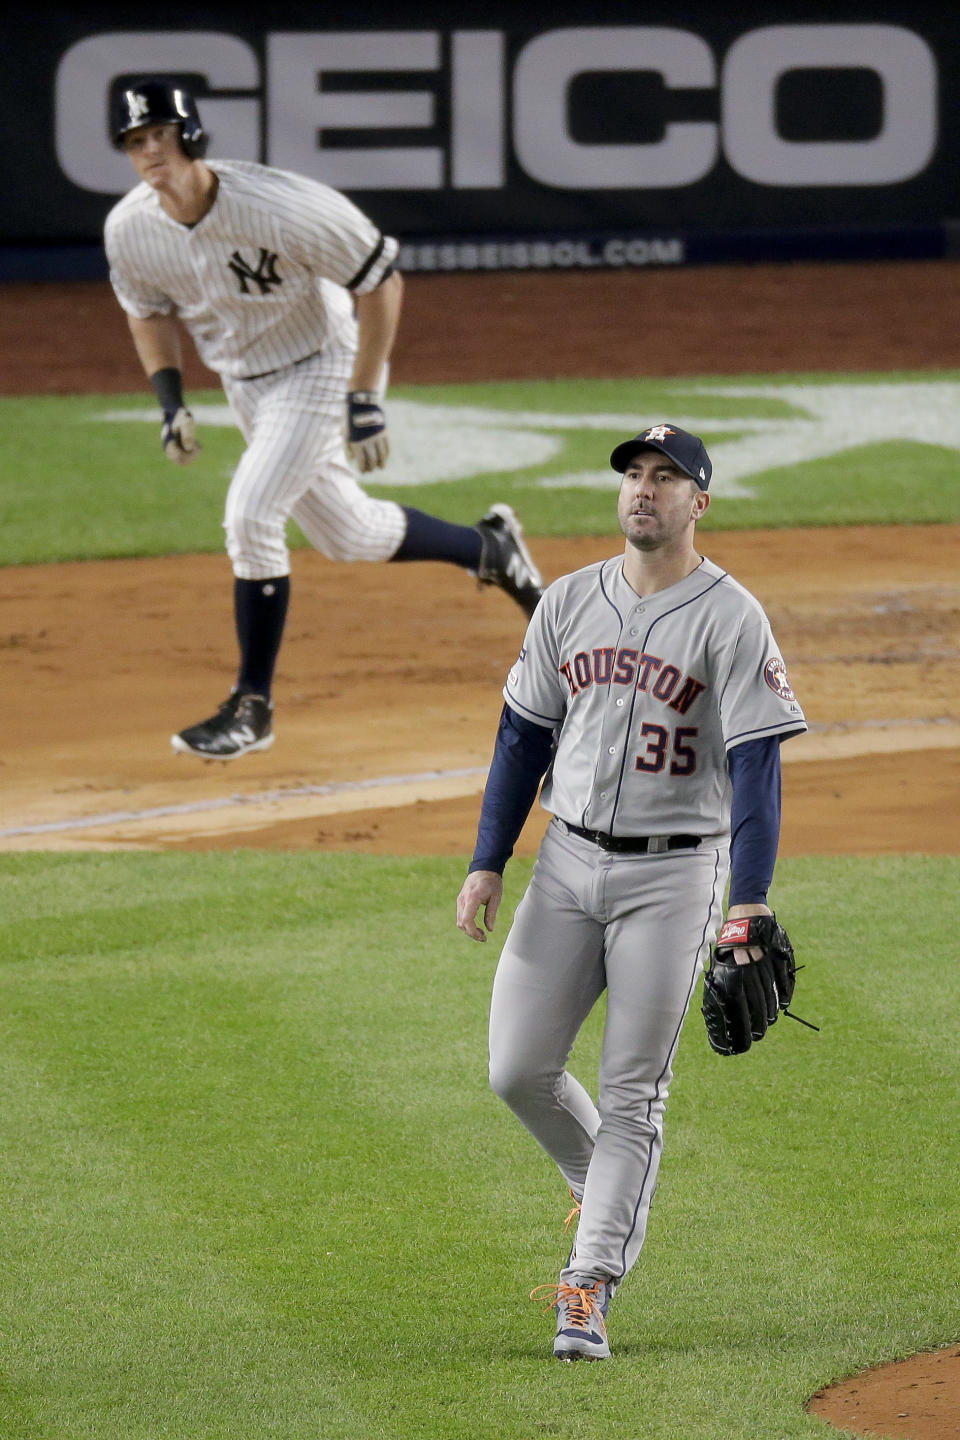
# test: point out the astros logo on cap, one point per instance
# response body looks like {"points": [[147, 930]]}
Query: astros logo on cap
{"points": [[659, 432]]}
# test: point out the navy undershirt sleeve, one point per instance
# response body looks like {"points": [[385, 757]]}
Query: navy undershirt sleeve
{"points": [[755, 818], [521, 758]]}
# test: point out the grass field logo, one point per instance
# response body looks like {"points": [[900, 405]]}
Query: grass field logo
{"points": [[750, 429]]}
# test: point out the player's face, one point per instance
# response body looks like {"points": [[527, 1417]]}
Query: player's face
{"points": [[658, 504], [156, 153]]}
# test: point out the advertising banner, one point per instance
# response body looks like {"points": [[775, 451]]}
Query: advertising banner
{"points": [[566, 136]]}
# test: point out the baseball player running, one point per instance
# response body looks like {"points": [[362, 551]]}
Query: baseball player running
{"points": [[291, 295], [651, 693]]}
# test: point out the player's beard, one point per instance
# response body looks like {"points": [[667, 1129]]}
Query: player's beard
{"points": [[654, 533], [664, 526], [648, 536]]}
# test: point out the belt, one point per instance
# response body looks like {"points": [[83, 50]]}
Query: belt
{"points": [[288, 365], [633, 844]]}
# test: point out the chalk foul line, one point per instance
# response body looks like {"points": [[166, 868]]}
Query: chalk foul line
{"points": [[227, 802], [823, 741]]}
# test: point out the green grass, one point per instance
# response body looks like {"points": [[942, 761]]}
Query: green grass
{"points": [[71, 489], [73, 486], [255, 1185]]}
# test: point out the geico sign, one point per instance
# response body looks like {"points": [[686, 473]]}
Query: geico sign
{"points": [[283, 100]]}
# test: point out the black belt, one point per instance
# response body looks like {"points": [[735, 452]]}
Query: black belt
{"points": [[633, 844]]}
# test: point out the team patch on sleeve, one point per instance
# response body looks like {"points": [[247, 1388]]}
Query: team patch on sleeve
{"points": [[513, 679], [775, 674], [514, 676]]}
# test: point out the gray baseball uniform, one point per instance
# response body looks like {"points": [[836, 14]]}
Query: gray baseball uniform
{"points": [[647, 697]]}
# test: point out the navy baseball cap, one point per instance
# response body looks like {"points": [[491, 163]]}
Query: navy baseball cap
{"points": [[685, 450]]}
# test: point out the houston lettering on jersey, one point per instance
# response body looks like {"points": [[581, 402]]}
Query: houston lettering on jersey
{"points": [[645, 672]]}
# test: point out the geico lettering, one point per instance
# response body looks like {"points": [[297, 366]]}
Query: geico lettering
{"points": [[466, 144], [302, 110], [544, 74], [757, 62], [88, 68], [754, 65]]}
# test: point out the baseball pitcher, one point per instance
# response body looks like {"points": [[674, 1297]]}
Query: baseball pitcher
{"points": [[651, 694]]}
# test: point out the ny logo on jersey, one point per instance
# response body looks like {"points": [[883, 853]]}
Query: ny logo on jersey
{"points": [[264, 275]]}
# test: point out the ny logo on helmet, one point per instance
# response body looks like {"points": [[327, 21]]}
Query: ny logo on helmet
{"points": [[137, 104], [264, 275]]}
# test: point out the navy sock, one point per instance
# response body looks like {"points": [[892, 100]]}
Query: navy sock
{"points": [[428, 538], [260, 610]]}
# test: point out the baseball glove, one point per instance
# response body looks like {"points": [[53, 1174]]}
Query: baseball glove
{"points": [[741, 1001]]}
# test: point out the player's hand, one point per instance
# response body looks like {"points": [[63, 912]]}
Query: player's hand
{"points": [[178, 436], [483, 888], [743, 912], [367, 442]]}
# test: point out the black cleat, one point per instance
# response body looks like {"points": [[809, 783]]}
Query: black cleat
{"points": [[243, 723], [505, 560]]}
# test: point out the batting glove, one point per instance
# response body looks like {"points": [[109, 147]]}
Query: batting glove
{"points": [[367, 441], [178, 436]]}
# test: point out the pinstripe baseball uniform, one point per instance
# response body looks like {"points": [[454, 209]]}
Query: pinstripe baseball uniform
{"points": [[261, 283], [260, 265]]}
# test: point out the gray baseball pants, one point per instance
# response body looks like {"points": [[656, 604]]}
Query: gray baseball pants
{"points": [[638, 927]]}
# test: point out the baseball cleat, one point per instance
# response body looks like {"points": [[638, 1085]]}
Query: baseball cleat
{"points": [[581, 1317], [505, 560], [243, 723]]}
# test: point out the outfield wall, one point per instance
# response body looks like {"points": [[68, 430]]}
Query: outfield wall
{"points": [[564, 137]]}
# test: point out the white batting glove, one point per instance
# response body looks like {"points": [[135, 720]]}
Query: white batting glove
{"points": [[367, 442], [178, 436]]}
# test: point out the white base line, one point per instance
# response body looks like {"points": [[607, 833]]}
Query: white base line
{"points": [[226, 802], [825, 740]]}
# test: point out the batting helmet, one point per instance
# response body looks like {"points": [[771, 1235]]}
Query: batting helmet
{"points": [[157, 102]]}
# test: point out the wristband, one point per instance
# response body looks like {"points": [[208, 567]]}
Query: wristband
{"points": [[168, 384]]}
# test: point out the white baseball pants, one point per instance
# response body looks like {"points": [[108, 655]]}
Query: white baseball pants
{"points": [[295, 466]]}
